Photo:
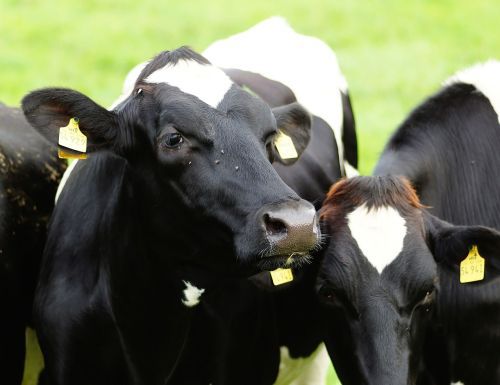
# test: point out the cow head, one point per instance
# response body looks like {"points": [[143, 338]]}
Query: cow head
{"points": [[384, 273], [206, 145]]}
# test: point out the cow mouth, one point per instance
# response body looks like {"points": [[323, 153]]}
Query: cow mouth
{"points": [[276, 261]]}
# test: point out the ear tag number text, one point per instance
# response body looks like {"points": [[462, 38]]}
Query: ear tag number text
{"points": [[71, 137], [472, 267]]}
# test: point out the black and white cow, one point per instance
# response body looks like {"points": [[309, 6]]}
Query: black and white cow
{"points": [[308, 67], [29, 174], [177, 198], [281, 66], [391, 275], [241, 327]]}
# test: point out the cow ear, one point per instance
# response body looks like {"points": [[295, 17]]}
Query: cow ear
{"points": [[294, 126], [451, 245], [49, 109]]}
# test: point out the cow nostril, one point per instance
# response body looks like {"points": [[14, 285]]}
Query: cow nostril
{"points": [[274, 227]]}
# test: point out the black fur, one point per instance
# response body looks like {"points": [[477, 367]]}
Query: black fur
{"points": [[416, 323], [137, 218], [29, 174], [349, 137]]}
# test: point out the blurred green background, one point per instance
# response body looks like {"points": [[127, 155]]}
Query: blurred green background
{"points": [[394, 53]]}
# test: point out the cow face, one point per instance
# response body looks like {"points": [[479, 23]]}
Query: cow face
{"points": [[204, 142], [381, 274]]}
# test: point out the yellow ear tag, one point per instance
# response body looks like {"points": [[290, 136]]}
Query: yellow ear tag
{"points": [[472, 267], [285, 146], [71, 137], [281, 276], [70, 154]]}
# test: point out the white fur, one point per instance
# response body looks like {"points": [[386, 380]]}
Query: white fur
{"points": [[207, 82], [129, 83], [379, 232], [64, 179], [350, 171], [485, 77], [457, 383], [192, 294], [303, 371], [305, 64]]}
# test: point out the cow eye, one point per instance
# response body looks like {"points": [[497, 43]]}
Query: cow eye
{"points": [[327, 294], [173, 140]]}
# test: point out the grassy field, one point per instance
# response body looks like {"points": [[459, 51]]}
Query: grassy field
{"points": [[393, 52]]}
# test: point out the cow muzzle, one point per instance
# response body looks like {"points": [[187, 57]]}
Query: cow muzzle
{"points": [[292, 232]]}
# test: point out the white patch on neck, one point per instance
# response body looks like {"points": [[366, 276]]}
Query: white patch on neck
{"points": [[485, 77], [208, 83], [379, 232], [191, 294], [310, 370]]}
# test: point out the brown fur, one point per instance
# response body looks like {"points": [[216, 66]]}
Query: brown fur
{"points": [[374, 191]]}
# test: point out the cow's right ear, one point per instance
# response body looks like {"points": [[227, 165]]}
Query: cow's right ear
{"points": [[294, 126], [49, 109], [451, 245]]}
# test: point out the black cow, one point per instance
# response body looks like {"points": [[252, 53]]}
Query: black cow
{"points": [[239, 327], [392, 272], [176, 201], [29, 174]]}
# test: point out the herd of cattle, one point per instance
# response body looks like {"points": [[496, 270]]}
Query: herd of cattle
{"points": [[213, 174]]}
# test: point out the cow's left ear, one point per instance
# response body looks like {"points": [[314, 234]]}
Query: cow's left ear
{"points": [[452, 245], [294, 125]]}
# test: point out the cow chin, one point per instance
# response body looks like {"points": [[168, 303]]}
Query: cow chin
{"points": [[269, 257], [292, 260]]}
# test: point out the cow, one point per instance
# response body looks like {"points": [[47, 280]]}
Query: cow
{"points": [[266, 60], [29, 174], [400, 301], [281, 65], [176, 200], [243, 327]]}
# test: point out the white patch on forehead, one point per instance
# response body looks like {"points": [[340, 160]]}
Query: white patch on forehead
{"points": [[208, 83], [191, 294], [379, 232], [485, 77]]}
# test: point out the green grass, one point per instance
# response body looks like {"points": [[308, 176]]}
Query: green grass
{"points": [[393, 52]]}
